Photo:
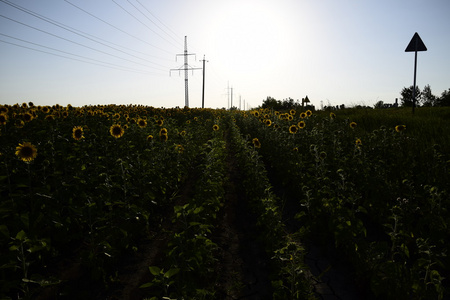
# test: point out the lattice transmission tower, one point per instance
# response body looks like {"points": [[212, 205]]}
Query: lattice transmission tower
{"points": [[185, 68]]}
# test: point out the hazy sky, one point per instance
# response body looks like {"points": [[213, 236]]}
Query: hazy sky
{"points": [[121, 51]]}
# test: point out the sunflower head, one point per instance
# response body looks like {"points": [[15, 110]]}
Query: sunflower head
{"points": [[49, 117], [3, 118], [292, 112], [116, 131], [256, 143], [332, 115], [142, 123], [27, 117], [322, 155], [293, 129], [301, 124], [183, 133], [163, 137], [215, 127], [268, 122], [308, 113], [163, 131], [77, 133], [150, 138], [27, 152], [160, 122], [19, 123], [179, 148], [295, 149], [358, 142], [400, 128], [353, 125], [303, 115]]}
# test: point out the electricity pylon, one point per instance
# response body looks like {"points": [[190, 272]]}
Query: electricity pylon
{"points": [[185, 68]]}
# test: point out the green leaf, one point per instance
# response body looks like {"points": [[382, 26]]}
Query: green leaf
{"points": [[171, 272], [21, 235], [154, 270], [146, 285]]}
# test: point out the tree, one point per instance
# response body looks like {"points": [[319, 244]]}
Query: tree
{"points": [[407, 96], [444, 100], [379, 104], [428, 99]]}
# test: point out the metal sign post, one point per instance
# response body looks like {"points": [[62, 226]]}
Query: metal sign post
{"points": [[416, 44]]}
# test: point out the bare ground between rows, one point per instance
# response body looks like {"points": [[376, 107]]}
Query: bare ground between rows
{"points": [[243, 268]]}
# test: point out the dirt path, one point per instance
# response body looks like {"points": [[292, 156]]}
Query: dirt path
{"points": [[243, 265]]}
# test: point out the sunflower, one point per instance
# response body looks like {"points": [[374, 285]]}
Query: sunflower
{"points": [[26, 151], [292, 112], [24, 105], [3, 119], [142, 123], [160, 122], [163, 131], [49, 117], [65, 114], [332, 116], [308, 113], [188, 122], [45, 109], [3, 109], [256, 143], [27, 117], [400, 128], [116, 131], [195, 119], [295, 149], [353, 125], [301, 124], [358, 142], [19, 123], [303, 115], [290, 117], [268, 122], [30, 104], [77, 133], [215, 127], [293, 129], [150, 138], [183, 133], [163, 137], [179, 148], [322, 155]]}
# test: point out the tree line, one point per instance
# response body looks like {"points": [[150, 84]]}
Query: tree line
{"points": [[424, 97]]}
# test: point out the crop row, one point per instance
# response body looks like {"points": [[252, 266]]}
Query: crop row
{"points": [[371, 194]]}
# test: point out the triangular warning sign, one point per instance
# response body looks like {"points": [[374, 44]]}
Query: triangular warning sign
{"points": [[416, 44]]}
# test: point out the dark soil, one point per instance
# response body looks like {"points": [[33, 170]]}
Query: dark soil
{"points": [[243, 268]]}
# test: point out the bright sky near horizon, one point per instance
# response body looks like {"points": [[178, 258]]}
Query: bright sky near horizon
{"points": [[348, 52]]}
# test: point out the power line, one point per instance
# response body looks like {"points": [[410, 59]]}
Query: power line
{"points": [[115, 27], [175, 34], [154, 24], [65, 52], [118, 68], [73, 30], [46, 32]]}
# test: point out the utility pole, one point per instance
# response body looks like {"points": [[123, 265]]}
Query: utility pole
{"points": [[203, 90], [185, 68], [231, 98], [239, 102]]}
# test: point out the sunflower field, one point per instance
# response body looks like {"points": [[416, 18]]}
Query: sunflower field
{"points": [[136, 202]]}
